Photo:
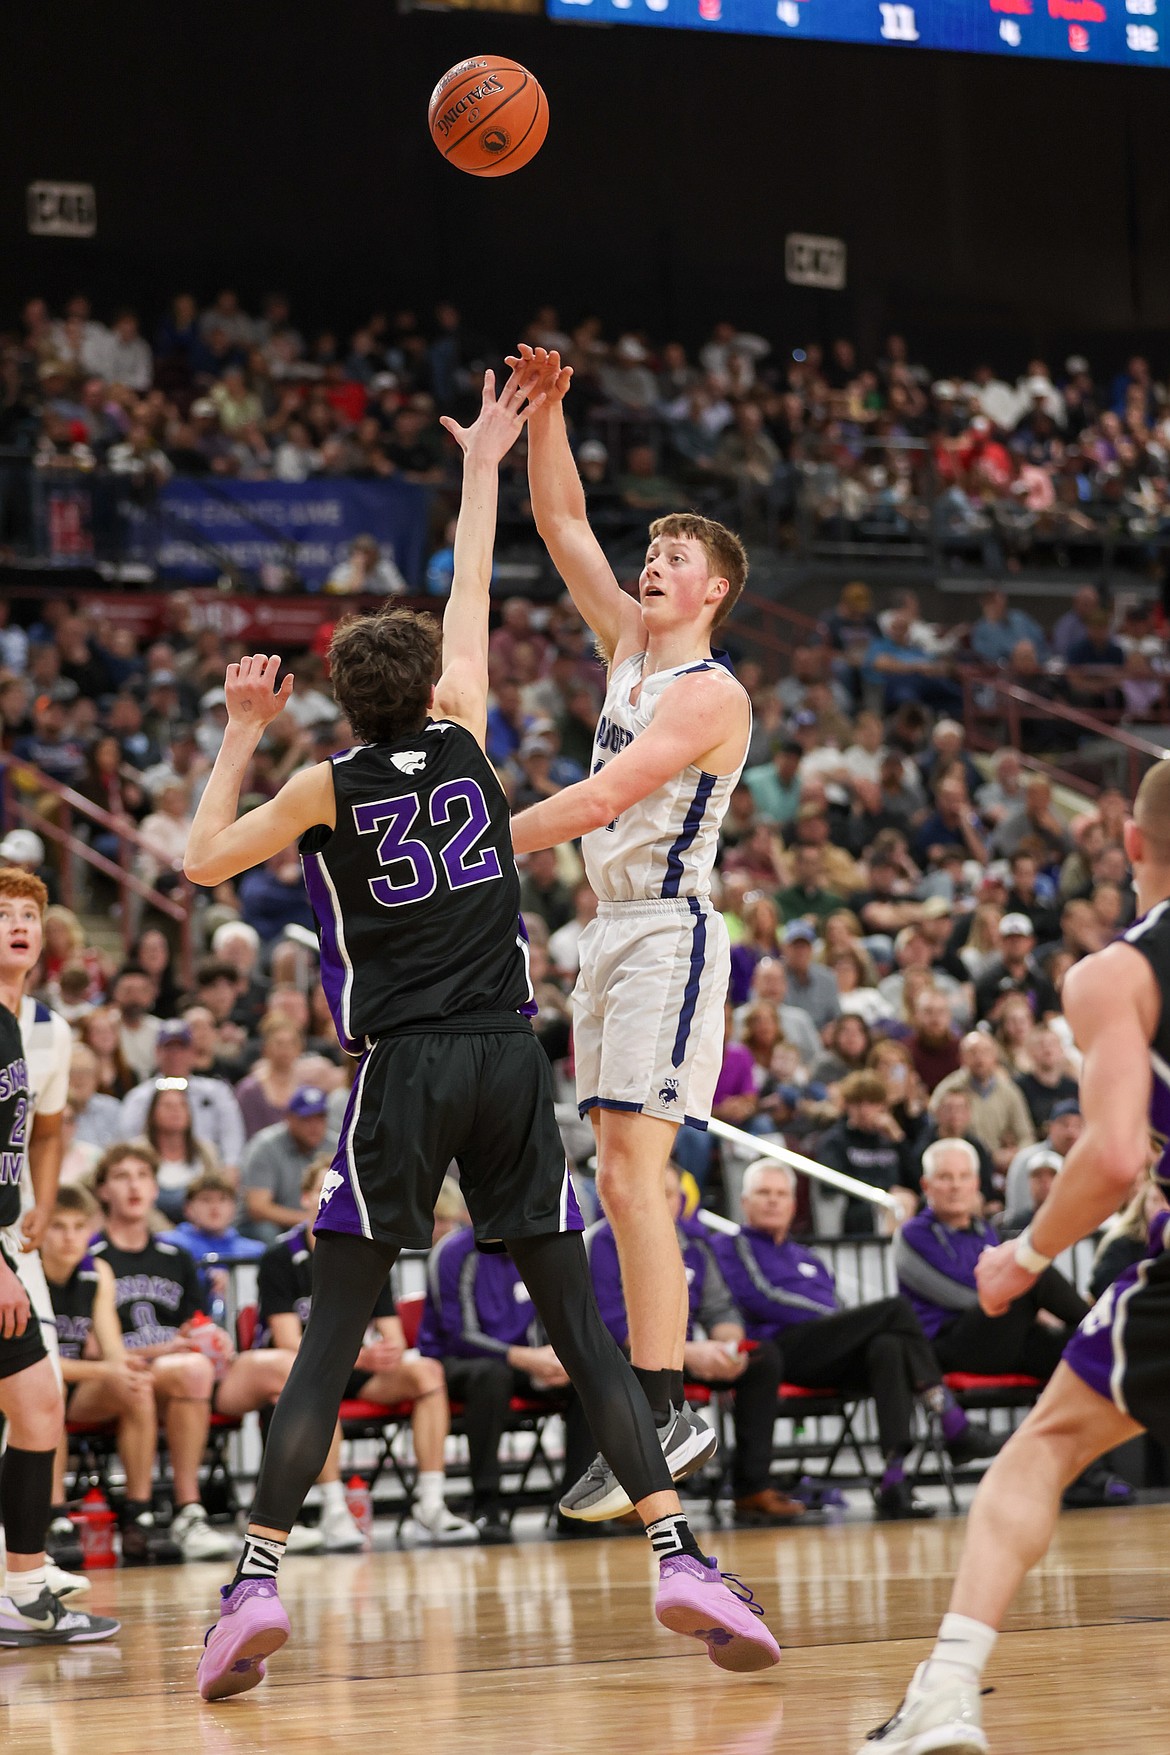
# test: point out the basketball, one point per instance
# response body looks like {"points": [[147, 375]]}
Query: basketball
{"points": [[488, 116]]}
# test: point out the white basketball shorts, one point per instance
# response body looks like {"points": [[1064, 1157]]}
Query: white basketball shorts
{"points": [[648, 1009]]}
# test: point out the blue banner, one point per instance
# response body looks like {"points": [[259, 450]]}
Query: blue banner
{"points": [[1132, 32], [196, 528]]}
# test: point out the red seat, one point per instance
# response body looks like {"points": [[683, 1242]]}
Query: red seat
{"points": [[90, 1428], [410, 1312], [970, 1382], [697, 1394], [247, 1322], [373, 1413], [797, 1391]]}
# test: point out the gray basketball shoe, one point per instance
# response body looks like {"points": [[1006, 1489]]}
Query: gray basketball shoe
{"points": [[687, 1443]]}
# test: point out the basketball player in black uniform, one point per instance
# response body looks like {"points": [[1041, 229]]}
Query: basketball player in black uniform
{"points": [[1114, 1378], [30, 1400], [408, 860]]}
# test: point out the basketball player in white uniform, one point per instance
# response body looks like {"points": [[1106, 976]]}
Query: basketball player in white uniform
{"points": [[48, 1049], [655, 964]]}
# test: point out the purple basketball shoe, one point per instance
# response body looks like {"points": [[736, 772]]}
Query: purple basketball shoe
{"points": [[252, 1625], [696, 1600]]}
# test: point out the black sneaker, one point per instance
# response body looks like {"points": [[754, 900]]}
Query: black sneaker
{"points": [[975, 1444], [494, 1529], [48, 1622], [144, 1544], [63, 1544], [897, 1502], [1095, 1487]]}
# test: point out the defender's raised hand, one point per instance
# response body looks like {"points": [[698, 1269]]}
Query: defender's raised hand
{"points": [[252, 695], [499, 422], [541, 373]]}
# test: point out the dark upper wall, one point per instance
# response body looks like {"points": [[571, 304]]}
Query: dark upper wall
{"points": [[264, 144]]}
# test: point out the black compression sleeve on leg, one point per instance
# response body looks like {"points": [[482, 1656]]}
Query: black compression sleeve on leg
{"points": [[26, 1493], [556, 1272], [349, 1273]]}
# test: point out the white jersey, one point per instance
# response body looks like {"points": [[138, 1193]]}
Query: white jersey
{"points": [[48, 1049], [664, 845]]}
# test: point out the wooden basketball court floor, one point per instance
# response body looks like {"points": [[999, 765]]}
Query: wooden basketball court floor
{"points": [[550, 1648]]}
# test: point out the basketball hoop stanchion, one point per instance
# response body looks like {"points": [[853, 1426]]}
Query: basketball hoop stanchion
{"points": [[765, 1148]]}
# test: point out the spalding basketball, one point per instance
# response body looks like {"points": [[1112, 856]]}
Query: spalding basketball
{"points": [[488, 116]]}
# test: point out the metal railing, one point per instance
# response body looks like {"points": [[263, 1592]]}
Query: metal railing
{"points": [[1081, 750], [32, 799]]}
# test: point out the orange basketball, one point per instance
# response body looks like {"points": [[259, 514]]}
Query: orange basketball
{"points": [[488, 116]]}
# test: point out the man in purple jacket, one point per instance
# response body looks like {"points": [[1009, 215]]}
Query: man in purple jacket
{"points": [[935, 1255], [480, 1321], [717, 1362], [788, 1297]]}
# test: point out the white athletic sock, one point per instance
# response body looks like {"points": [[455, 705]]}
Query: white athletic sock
{"points": [[962, 1649], [430, 1491], [332, 1495], [24, 1587]]}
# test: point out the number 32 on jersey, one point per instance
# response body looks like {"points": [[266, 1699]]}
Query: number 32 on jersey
{"points": [[414, 867]]}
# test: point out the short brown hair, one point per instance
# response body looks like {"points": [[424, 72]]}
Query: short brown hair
{"points": [[382, 668], [76, 1198], [863, 1087], [113, 1156], [726, 555], [209, 1182], [17, 883]]}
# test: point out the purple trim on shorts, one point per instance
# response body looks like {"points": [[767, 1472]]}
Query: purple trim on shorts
{"points": [[333, 968], [693, 1121], [573, 1219], [339, 1209], [608, 1103], [1090, 1354]]}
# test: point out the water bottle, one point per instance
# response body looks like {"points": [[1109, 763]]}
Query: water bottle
{"points": [[360, 1506], [97, 1523]]}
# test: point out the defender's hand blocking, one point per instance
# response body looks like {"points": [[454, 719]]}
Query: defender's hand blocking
{"points": [[252, 698], [541, 374], [1001, 1279], [499, 423]]}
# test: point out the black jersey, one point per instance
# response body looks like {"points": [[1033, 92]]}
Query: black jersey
{"points": [[14, 1106], [285, 1284], [73, 1307], [415, 890], [1151, 936], [156, 1290]]}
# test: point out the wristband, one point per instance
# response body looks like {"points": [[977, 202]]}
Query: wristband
{"points": [[1028, 1258]]}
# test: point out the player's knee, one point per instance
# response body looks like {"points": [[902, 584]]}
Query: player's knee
{"points": [[191, 1376], [427, 1377]]}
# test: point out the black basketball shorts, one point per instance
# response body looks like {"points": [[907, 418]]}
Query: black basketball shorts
{"points": [[481, 1095], [19, 1351]]}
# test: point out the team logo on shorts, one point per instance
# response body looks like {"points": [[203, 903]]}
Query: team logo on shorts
{"points": [[333, 1181], [410, 761], [669, 1093]]}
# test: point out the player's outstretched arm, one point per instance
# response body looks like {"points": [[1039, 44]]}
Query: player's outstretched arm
{"points": [[1111, 1001], [558, 505], [220, 846], [461, 691], [701, 721]]}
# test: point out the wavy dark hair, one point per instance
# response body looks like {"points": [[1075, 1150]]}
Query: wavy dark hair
{"points": [[382, 668]]}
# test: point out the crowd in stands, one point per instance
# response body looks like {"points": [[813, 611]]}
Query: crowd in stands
{"points": [[845, 446], [903, 914]]}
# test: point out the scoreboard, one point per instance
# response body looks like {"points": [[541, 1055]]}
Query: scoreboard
{"points": [[1130, 32]]}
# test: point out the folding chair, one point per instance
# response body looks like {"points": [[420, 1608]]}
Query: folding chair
{"points": [[798, 1403], [971, 1390]]}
